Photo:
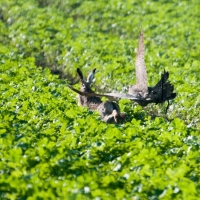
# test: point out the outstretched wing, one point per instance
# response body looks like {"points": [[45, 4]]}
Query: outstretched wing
{"points": [[116, 95], [124, 96], [141, 72]]}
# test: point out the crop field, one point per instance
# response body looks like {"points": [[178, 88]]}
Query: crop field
{"points": [[51, 148]]}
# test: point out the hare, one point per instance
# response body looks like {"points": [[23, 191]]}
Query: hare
{"points": [[109, 111]]}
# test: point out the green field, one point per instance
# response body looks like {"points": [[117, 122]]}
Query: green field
{"points": [[50, 148]]}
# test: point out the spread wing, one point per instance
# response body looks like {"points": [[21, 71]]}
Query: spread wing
{"points": [[122, 96], [141, 72], [108, 95]]}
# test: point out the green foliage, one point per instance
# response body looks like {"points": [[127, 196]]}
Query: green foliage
{"points": [[52, 149]]}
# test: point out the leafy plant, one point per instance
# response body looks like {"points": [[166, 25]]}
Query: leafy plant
{"points": [[51, 148]]}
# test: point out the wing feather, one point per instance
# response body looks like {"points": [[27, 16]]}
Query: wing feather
{"points": [[116, 95], [141, 72]]}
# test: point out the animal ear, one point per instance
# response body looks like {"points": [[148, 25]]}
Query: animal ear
{"points": [[91, 76], [80, 74]]}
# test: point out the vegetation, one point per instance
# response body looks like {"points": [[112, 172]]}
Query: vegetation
{"points": [[52, 149]]}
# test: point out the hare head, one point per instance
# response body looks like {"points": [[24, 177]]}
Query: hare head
{"points": [[86, 83], [92, 101]]}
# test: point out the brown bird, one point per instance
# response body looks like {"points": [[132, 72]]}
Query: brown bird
{"points": [[140, 92], [109, 111], [161, 92]]}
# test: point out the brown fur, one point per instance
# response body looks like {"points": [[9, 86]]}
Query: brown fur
{"points": [[109, 111]]}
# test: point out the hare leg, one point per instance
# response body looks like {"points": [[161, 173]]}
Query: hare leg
{"points": [[110, 119]]}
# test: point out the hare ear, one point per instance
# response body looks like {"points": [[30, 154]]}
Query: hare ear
{"points": [[80, 74], [91, 76]]}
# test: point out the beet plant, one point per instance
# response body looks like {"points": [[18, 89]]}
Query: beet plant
{"points": [[50, 148]]}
